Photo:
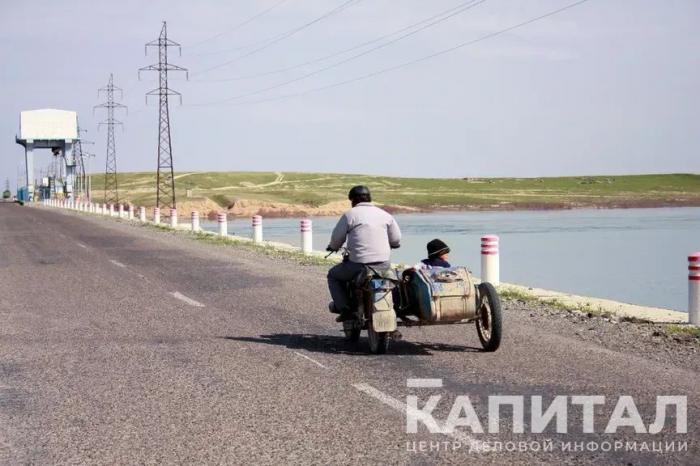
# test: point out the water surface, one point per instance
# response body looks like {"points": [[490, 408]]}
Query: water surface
{"points": [[637, 256]]}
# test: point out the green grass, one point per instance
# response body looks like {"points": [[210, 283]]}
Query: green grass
{"points": [[315, 189], [686, 329], [268, 250]]}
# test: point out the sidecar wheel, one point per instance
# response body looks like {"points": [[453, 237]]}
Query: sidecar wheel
{"points": [[489, 323], [378, 341]]}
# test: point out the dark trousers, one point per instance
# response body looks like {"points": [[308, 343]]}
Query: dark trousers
{"points": [[338, 278]]}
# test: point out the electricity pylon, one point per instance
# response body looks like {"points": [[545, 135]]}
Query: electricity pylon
{"points": [[165, 183], [111, 188]]}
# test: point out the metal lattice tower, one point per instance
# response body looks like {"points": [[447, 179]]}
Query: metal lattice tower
{"points": [[111, 188], [165, 189], [81, 156], [80, 169]]}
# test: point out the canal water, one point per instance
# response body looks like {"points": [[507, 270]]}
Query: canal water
{"points": [[636, 256]]}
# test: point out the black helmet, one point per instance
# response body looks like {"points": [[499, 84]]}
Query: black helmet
{"points": [[359, 194]]}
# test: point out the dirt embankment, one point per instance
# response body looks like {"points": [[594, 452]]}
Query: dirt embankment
{"points": [[247, 208], [207, 208]]}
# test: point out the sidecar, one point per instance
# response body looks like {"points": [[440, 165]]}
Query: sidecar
{"points": [[443, 296]]}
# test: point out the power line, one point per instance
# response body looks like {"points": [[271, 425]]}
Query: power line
{"points": [[465, 6], [408, 63], [341, 52], [283, 36], [239, 25]]}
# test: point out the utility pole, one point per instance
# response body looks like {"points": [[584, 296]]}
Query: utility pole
{"points": [[165, 189], [83, 158], [111, 188], [80, 165]]}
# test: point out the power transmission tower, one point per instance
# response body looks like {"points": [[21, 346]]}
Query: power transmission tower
{"points": [[81, 155], [80, 169], [165, 188], [111, 188]]}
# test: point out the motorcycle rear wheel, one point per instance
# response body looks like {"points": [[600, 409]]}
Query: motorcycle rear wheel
{"points": [[352, 331], [378, 341]]}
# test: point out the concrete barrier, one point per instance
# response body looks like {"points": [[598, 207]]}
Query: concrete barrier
{"points": [[131, 212], [142, 214], [111, 210], [694, 288], [156, 215], [173, 218], [121, 210], [306, 236], [490, 267], [257, 229], [223, 224], [195, 221]]}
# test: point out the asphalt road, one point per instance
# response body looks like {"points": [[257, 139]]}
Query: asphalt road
{"points": [[121, 344]]}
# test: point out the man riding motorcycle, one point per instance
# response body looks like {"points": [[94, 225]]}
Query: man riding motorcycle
{"points": [[370, 233]]}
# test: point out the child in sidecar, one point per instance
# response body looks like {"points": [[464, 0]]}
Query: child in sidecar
{"points": [[438, 253]]}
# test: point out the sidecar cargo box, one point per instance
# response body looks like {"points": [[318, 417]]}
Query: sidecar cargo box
{"points": [[443, 294]]}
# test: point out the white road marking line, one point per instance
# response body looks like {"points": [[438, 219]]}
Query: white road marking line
{"points": [[424, 383], [310, 359], [405, 409], [185, 299], [117, 263], [82, 245]]}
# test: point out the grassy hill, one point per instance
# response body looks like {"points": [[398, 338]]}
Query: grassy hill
{"points": [[313, 190]]}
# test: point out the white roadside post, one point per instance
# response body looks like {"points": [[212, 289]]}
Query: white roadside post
{"points": [[131, 212], [490, 270], [156, 215], [121, 210], [694, 288], [173, 218], [111, 210], [306, 236], [195, 221], [105, 210], [223, 224], [142, 214], [257, 229]]}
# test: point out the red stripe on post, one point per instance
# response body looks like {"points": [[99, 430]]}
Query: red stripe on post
{"points": [[694, 257], [694, 278]]}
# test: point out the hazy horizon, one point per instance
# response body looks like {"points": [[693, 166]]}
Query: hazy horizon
{"points": [[601, 89]]}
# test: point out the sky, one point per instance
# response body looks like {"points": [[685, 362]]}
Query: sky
{"points": [[605, 87]]}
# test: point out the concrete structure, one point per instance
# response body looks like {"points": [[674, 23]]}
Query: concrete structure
{"points": [[156, 215], [306, 236], [490, 267], [173, 218], [142, 214], [223, 224], [257, 229], [48, 129], [195, 221], [694, 288]]}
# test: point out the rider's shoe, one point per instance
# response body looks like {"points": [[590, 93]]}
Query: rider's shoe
{"points": [[344, 316], [332, 309]]}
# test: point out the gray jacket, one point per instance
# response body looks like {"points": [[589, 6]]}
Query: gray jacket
{"points": [[370, 233]]}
